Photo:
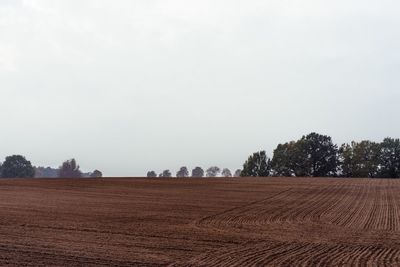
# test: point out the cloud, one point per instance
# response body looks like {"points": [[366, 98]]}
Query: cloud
{"points": [[8, 58], [177, 76]]}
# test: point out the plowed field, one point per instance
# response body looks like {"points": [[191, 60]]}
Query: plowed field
{"points": [[200, 222]]}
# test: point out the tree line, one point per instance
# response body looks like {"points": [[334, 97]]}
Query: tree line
{"points": [[315, 155], [17, 166], [197, 172]]}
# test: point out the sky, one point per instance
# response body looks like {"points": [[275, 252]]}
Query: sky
{"points": [[130, 86]]}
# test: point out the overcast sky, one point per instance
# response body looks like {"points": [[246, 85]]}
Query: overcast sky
{"points": [[128, 86]]}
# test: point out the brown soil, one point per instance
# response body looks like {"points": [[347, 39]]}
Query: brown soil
{"points": [[200, 222]]}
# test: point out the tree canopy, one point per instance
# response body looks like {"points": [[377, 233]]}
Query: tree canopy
{"points": [[183, 172], [226, 173], [17, 166], [198, 172], [360, 159], [257, 165], [389, 158], [237, 173], [213, 171], [151, 174], [313, 155], [165, 174]]}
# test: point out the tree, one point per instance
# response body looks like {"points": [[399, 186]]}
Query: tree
{"points": [[17, 166], [96, 174], [389, 158], [183, 172], [320, 155], [226, 173], [69, 169], [360, 159], [151, 174], [213, 171], [165, 174], [313, 155], [287, 160], [237, 173], [198, 172], [346, 161], [257, 165]]}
